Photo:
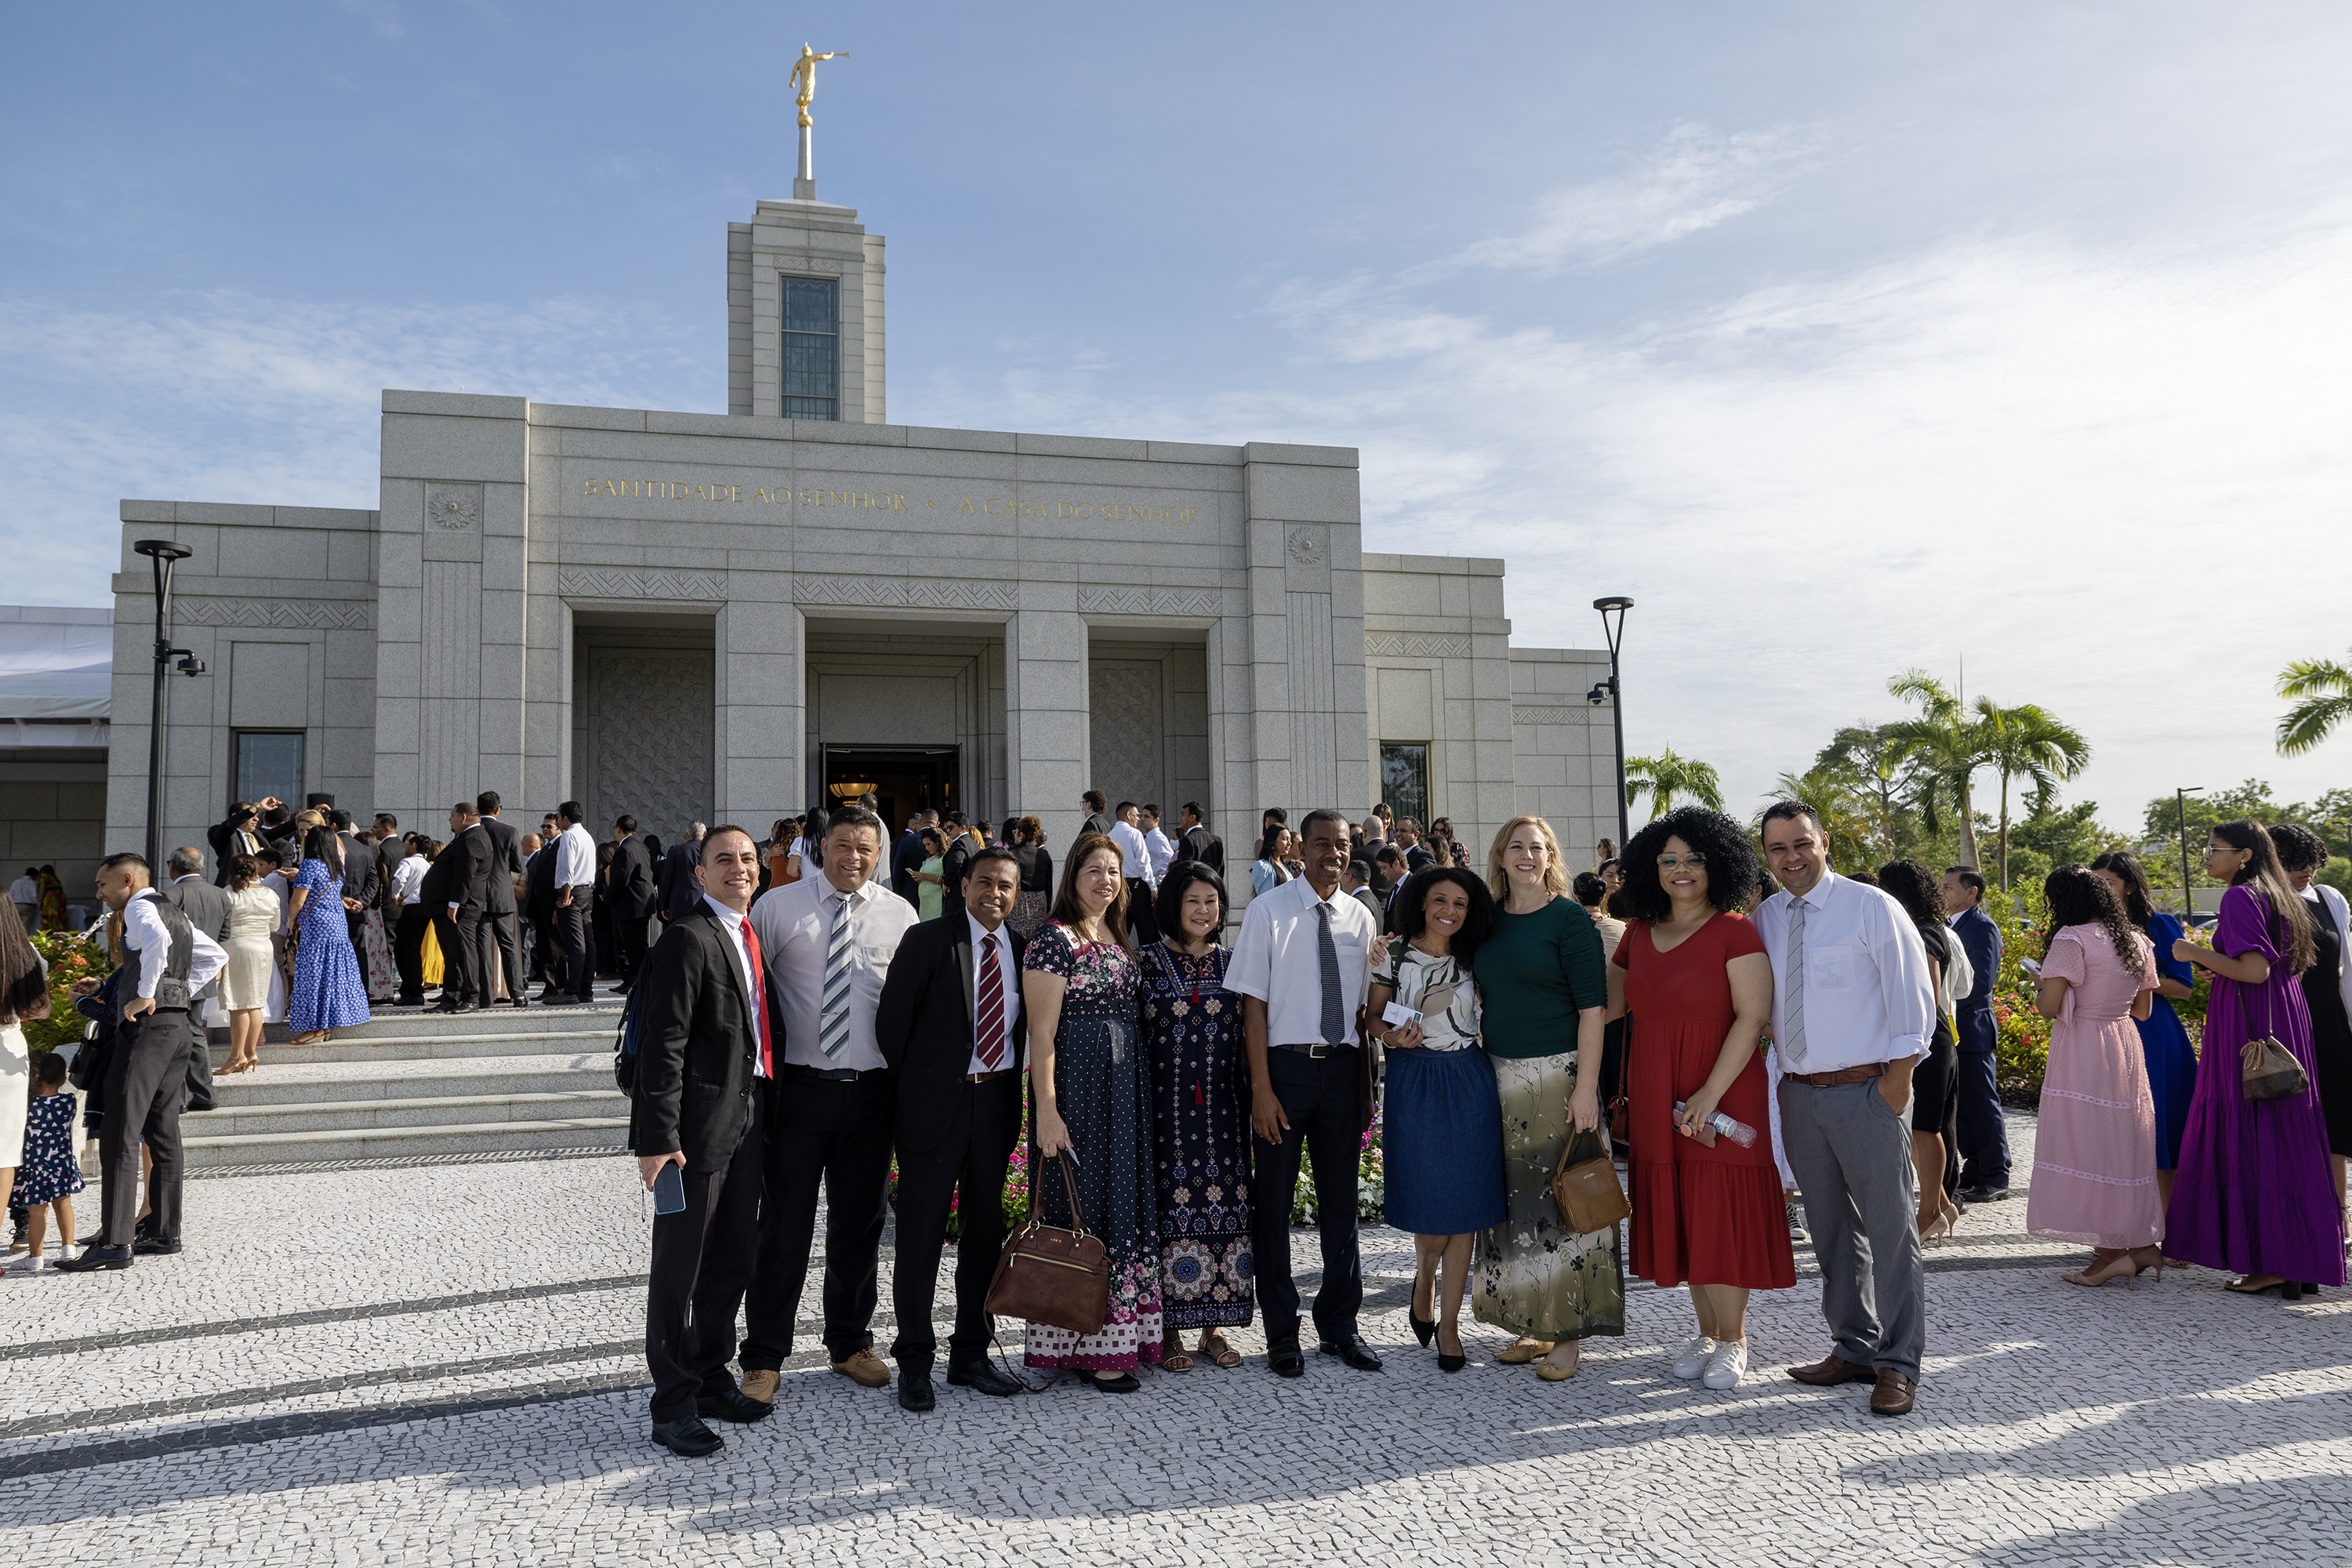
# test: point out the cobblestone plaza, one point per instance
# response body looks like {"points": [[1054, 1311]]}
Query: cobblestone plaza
{"points": [[442, 1363]]}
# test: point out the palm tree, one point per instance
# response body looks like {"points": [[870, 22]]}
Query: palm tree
{"points": [[1946, 750], [2326, 687], [2026, 743], [1667, 776], [1843, 809], [1874, 757]]}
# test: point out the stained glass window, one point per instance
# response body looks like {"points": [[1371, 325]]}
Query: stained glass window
{"points": [[812, 348]]}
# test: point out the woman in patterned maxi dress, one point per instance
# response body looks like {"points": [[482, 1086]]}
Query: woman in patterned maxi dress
{"points": [[327, 993], [1093, 1096], [1201, 1121]]}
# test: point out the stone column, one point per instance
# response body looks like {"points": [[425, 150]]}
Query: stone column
{"points": [[763, 707], [1046, 708]]}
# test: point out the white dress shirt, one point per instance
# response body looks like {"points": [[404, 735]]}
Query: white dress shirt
{"points": [[143, 929], [1135, 860], [732, 924], [1866, 989], [1162, 849], [407, 878], [1008, 969], [575, 857], [795, 926], [24, 890], [1278, 959]]}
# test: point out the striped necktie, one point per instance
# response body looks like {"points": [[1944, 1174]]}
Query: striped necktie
{"points": [[833, 1019], [992, 1007], [1793, 1013]]}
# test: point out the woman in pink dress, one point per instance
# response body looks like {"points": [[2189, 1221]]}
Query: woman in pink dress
{"points": [[2094, 1154]]}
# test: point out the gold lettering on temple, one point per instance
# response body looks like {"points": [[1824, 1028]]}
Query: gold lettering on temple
{"points": [[889, 501]]}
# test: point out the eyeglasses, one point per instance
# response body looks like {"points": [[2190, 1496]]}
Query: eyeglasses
{"points": [[1694, 860]]}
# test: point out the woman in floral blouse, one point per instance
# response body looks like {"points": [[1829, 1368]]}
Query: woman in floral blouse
{"points": [[1094, 1098]]}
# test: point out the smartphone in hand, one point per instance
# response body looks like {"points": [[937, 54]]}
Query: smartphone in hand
{"points": [[669, 1190]]}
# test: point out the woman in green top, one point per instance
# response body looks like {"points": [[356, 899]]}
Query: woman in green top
{"points": [[928, 879], [1547, 1000]]}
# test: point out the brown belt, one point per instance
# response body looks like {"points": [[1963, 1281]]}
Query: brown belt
{"points": [[1843, 1075], [987, 1076]]}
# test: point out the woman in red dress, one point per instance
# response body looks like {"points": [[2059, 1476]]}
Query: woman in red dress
{"points": [[1692, 974]]}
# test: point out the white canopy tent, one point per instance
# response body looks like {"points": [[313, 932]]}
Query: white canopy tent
{"points": [[56, 664]]}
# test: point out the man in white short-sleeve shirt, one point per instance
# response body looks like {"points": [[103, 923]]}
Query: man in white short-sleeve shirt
{"points": [[1852, 1011], [1302, 964]]}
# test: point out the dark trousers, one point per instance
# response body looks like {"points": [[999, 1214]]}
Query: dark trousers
{"points": [[838, 1135], [971, 1155], [577, 937], [200, 1062], [145, 1084], [1324, 1100], [629, 933], [1983, 1129], [702, 1261], [501, 949], [1140, 918], [458, 955], [547, 952], [408, 950]]}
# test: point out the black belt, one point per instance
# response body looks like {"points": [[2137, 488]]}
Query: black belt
{"points": [[1317, 1050], [831, 1075]]}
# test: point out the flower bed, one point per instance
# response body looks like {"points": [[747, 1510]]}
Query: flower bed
{"points": [[70, 957]]}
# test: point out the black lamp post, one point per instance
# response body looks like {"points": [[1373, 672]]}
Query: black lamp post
{"points": [[164, 553], [1615, 605], [2180, 803]]}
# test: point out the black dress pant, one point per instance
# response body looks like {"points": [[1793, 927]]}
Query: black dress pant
{"points": [[547, 952], [474, 939], [576, 933], [1142, 919], [1983, 1130], [408, 951], [836, 1134], [629, 932], [1323, 1098], [501, 952], [457, 956], [971, 1155], [145, 1082], [701, 1262]]}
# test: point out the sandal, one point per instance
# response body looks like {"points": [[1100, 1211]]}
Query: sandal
{"points": [[1174, 1359], [1219, 1353]]}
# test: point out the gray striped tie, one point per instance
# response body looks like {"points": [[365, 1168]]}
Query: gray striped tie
{"points": [[832, 1017], [1793, 1013]]}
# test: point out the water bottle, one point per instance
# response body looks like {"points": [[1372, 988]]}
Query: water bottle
{"points": [[1739, 1132]]}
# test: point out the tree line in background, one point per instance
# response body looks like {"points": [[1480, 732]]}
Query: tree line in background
{"points": [[1976, 783]]}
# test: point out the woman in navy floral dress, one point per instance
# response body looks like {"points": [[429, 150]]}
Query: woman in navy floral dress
{"points": [[1093, 1096], [1200, 1121], [328, 991]]}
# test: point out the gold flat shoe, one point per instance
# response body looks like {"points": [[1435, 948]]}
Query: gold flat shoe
{"points": [[1523, 1351], [1551, 1373]]}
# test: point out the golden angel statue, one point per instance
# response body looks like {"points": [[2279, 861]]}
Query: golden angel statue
{"points": [[804, 77]]}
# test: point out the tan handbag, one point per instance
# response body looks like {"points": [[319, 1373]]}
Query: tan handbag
{"points": [[2267, 1069], [1047, 1275], [1585, 1187]]}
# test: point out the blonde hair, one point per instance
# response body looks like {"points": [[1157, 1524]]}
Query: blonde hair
{"points": [[1555, 873]]}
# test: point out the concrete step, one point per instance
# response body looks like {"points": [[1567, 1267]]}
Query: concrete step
{"points": [[451, 1110], [365, 1082], [405, 1142], [445, 1046]]}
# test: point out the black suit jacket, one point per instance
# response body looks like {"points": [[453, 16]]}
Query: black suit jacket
{"points": [[505, 865], [1197, 843], [632, 881], [680, 895], [439, 888], [924, 1022], [361, 880], [389, 852], [695, 1046], [222, 836], [468, 858], [905, 861], [954, 867]]}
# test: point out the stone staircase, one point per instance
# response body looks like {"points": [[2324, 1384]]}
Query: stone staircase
{"points": [[412, 1083]]}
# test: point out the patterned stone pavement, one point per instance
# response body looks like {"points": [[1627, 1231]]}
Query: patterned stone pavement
{"points": [[439, 1363]]}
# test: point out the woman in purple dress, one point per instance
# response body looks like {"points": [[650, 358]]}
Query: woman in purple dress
{"points": [[2253, 1192]]}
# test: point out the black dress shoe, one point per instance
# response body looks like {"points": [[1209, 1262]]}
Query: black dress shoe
{"points": [[915, 1392], [1983, 1194], [156, 1246], [549, 998], [1286, 1359], [687, 1437], [458, 1007], [1352, 1352], [143, 1228], [1125, 1382], [95, 1258], [733, 1405], [982, 1378]]}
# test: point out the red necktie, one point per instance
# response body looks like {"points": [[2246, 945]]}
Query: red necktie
{"points": [[992, 1006], [760, 999]]}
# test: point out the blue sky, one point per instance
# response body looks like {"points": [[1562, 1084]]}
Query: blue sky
{"points": [[1843, 337]]}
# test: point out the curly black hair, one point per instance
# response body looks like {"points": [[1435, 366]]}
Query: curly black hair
{"points": [[1920, 890], [1412, 920], [2078, 898], [2298, 847], [1732, 865]]}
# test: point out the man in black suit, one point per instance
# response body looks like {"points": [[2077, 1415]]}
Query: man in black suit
{"points": [[1097, 806], [456, 899], [907, 858], [675, 879], [502, 934], [539, 904], [950, 1025], [360, 881], [956, 864], [239, 833], [206, 908], [1196, 842], [634, 899], [706, 1031]]}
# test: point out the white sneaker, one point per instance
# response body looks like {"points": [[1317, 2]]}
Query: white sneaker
{"points": [[1695, 1358], [1725, 1365]]}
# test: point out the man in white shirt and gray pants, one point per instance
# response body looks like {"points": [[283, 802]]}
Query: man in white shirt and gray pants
{"points": [[1853, 1009], [1135, 868]]}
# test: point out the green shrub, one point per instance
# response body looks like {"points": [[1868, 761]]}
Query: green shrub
{"points": [[71, 957]]}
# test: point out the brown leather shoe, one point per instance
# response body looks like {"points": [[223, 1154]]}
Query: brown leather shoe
{"points": [[1829, 1370], [864, 1369], [1893, 1396], [760, 1386]]}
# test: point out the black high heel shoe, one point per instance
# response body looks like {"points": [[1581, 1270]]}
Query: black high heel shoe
{"points": [[1423, 1329], [1450, 1363]]}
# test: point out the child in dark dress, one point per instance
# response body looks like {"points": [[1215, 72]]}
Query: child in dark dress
{"points": [[50, 1175]]}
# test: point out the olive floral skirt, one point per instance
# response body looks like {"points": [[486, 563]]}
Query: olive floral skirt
{"points": [[1535, 1277]]}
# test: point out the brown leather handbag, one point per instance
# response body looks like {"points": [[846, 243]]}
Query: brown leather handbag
{"points": [[1585, 1187], [1047, 1275]]}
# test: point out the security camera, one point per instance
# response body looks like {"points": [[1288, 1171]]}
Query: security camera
{"points": [[1599, 694], [190, 667]]}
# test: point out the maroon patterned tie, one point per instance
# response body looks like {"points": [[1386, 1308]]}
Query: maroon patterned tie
{"points": [[992, 1007]]}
